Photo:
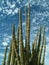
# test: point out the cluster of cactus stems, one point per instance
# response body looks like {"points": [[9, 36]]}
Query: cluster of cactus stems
{"points": [[20, 54]]}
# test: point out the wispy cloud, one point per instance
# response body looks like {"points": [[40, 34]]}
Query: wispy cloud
{"points": [[1, 55], [18, 1], [11, 5], [47, 38], [9, 8], [4, 43], [23, 24], [6, 40]]}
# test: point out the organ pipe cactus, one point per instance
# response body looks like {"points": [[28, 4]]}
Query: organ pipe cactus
{"points": [[21, 39], [20, 54]]}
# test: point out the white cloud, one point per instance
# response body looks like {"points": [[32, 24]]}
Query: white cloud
{"points": [[4, 43], [9, 4], [23, 24], [37, 2], [47, 38], [47, 50], [12, 6], [47, 29], [11, 12], [1, 55], [2, 2], [0, 9], [18, 1], [31, 2], [26, 4], [8, 11], [6, 39], [15, 11], [24, 41], [34, 20], [9, 36], [34, 28]]}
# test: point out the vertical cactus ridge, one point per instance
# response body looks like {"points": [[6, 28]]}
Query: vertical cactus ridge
{"points": [[39, 39], [25, 31], [28, 36], [17, 59], [13, 42], [42, 43], [9, 55], [17, 40], [43, 58], [21, 39], [13, 31], [4, 61], [16, 47]]}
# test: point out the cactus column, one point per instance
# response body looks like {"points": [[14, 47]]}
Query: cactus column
{"points": [[44, 51], [21, 39], [4, 61], [17, 40], [41, 47], [28, 52], [9, 55], [13, 42], [16, 46]]}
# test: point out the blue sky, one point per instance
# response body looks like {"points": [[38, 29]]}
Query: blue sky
{"points": [[39, 15]]}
